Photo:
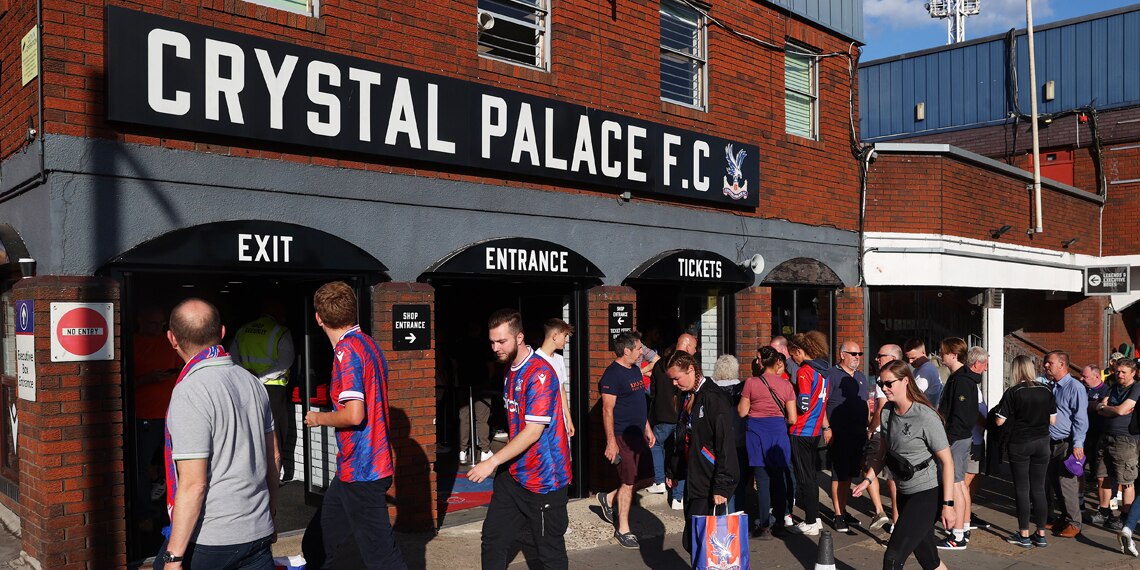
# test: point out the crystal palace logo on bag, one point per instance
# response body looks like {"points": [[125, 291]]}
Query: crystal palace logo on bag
{"points": [[722, 555], [735, 190]]}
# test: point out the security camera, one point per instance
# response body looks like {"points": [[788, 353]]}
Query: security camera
{"points": [[486, 20]]}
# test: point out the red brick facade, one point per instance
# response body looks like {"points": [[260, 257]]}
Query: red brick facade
{"points": [[411, 405], [71, 442], [1072, 323], [603, 55], [941, 194], [598, 300]]}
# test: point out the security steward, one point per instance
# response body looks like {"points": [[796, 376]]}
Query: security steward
{"points": [[264, 347]]}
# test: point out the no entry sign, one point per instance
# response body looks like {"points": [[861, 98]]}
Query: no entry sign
{"points": [[82, 331]]}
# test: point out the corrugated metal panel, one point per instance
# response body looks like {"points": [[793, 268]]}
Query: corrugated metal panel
{"points": [[1092, 61], [842, 16]]}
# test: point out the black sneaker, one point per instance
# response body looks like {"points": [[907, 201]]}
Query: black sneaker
{"points": [[1038, 540], [1098, 518], [1114, 523], [850, 519], [608, 511], [627, 540], [841, 525], [966, 537], [978, 522], [1022, 541], [762, 533]]}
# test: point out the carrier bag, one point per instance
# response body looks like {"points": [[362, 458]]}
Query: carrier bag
{"points": [[720, 542]]}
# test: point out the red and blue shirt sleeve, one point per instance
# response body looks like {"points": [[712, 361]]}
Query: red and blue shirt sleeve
{"points": [[348, 374], [541, 397]]}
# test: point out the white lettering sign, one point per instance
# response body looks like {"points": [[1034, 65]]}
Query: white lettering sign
{"points": [[699, 268], [270, 248], [514, 259]]}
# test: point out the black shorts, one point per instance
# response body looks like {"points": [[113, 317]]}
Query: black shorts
{"points": [[846, 453]]}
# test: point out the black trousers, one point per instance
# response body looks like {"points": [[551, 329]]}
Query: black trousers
{"points": [[914, 532], [513, 509], [286, 429], [695, 507], [1029, 462], [805, 460], [360, 510]]}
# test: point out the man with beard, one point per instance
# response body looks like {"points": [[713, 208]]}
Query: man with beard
{"points": [[534, 466]]}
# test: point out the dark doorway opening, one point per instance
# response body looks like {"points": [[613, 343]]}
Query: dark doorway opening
{"points": [[467, 374], [665, 310], [240, 298]]}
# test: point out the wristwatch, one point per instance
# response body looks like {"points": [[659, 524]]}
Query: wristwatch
{"points": [[169, 557], [949, 503]]}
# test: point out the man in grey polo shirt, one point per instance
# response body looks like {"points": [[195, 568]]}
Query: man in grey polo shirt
{"points": [[221, 444]]}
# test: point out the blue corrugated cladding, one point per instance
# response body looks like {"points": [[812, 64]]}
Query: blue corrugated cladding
{"points": [[1095, 62], [842, 16]]}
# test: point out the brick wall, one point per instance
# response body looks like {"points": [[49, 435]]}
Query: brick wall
{"points": [[753, 324], [1072, 323], [602, 476], [849, 320], [18, 103], [71, 443], [411, 405], [943, 195], [604, 55]]}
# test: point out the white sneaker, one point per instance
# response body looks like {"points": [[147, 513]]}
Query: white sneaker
{"points": [[1127, 545], [807, 529], [500, 436], [788, 522], [656, 488], [463, 457], [677, 505], [485, 455]]}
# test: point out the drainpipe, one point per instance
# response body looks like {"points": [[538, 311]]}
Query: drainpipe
{"points": [[1033, 113]]}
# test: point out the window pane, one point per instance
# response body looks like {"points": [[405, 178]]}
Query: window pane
{"points": [[298, 6], [799, 95], [682, 53], [518, 33]]}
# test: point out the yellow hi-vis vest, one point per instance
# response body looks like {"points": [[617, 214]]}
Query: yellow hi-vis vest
{"points": [[257, 347]]}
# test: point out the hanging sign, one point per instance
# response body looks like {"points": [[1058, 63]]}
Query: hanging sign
{"points": [[25, 350], [82, 331], [172, 74], [411, 327], [1111, 280]]}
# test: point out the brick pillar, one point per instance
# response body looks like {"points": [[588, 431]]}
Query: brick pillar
{"points": [[849, 320], [598, 299], [411, 405], [753, 324], [72, 486]]}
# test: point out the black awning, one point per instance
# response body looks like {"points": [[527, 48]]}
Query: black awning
{"points": [[692, 266], [251, 245], [12, 248], [516, 256]]}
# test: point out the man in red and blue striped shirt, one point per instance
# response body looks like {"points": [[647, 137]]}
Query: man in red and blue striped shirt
{"points": [[355, 503], [532, 490]]}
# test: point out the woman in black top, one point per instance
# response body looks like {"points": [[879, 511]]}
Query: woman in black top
{"points": [[1028, 408]]}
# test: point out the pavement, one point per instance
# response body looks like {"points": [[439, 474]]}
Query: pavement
{"points": [[590, 544]]}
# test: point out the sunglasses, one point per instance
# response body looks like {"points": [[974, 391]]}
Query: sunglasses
{"points": [[853, 353], [891, 356], [886, 383]]}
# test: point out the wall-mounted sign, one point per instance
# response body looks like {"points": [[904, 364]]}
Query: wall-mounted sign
{"points": [[692, 265], [1108, 280], [172, 74], [252, 244], [520, 257], [82, 331], [621, 320], [25, 350], [411, 327], [29, 56]]}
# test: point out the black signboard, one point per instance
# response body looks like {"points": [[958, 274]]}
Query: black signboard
{"points": [[177, 75], [621, 320], [693, 265], [252, 244], [518, 256], [411, 327], [1108, 280]]}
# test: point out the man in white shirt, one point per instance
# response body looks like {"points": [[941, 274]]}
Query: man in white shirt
{"points": [[558, 334]]}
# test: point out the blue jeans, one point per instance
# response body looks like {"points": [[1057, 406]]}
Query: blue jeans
{"points": [[662, 432], [248, 556]]}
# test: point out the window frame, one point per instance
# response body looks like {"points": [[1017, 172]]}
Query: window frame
{"points": [[797, 50], [702, 76], [543, 45], [314, 10]]}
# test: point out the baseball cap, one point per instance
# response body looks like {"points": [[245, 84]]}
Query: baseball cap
{"points": [[1116, 356]]}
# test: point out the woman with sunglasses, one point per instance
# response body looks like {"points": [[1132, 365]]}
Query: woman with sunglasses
{"points": [[1028, 408], [769, 403], [913, 440]]}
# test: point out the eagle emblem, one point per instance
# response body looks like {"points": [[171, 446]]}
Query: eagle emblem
{"points": [[735, 170]]}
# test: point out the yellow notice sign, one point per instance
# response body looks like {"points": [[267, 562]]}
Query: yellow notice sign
{"points": [[30, 56]]}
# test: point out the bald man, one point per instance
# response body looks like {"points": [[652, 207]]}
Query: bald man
{"points": [[780, 343], [663, 411]]}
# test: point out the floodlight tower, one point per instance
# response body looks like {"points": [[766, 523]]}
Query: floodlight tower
{"points": [[955, 13]]}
